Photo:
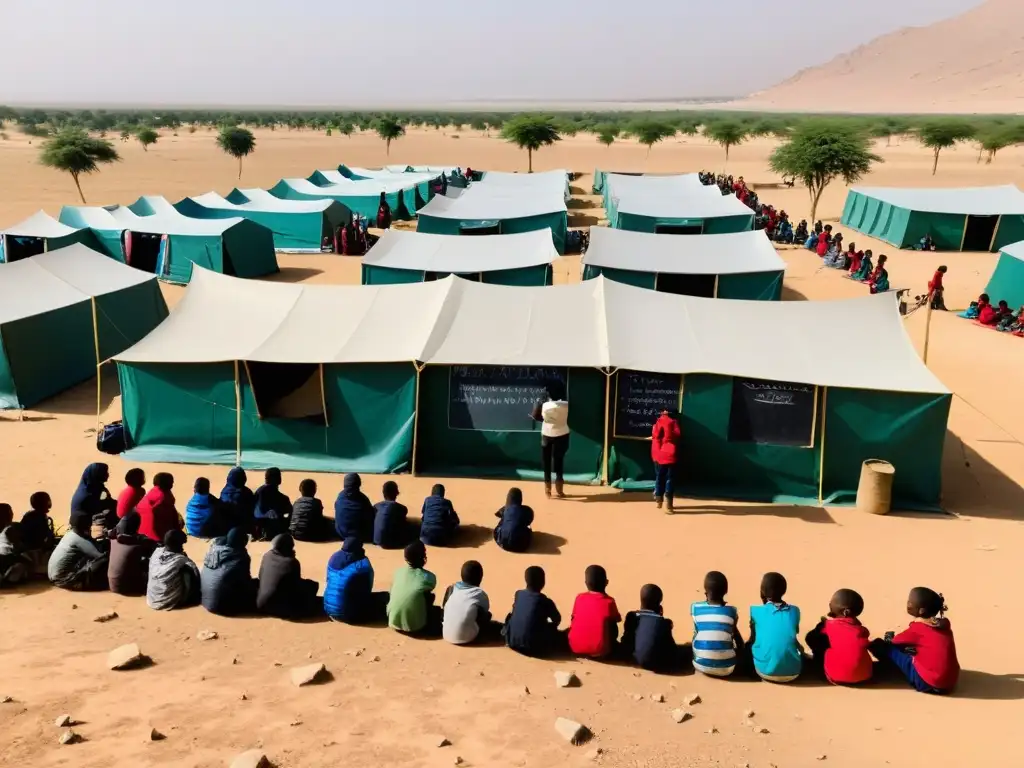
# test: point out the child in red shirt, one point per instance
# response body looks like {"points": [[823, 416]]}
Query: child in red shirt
{"points": [[594, 628], [925, 652], [840, 641]]}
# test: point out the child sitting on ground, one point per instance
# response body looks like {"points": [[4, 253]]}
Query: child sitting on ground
{"points": [[974, 310], [774, 625], [647, 634], [466, 608], [390, 523], [840, 642], [308, 522], [411, 603], [14, 566], [716, 639], [37, 532], [532, 626], [925, 652], [594, 626], [439, 521]]}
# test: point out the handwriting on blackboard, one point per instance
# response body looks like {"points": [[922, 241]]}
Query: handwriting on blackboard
{"points": [[640, 399], [498, 398], [753, 418]]}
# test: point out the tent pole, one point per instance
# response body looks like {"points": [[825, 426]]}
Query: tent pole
{"points": [[927, 328], [99, 363], [323, 397], [963, 238], [821, 465], [992, 242], [607, 405], [415, 418], [716, 287], [238, 418]]}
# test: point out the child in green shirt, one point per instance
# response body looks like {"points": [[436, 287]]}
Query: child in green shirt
{"points": [[411, 603]]}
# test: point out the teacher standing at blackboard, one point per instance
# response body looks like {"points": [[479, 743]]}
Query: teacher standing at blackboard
{"points": [[553, 415], [665, 436]]}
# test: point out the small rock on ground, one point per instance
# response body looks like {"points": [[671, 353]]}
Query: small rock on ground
{"points": [[69, 737], [254, 758], [658, 698], [821, 757], [155, 735], [566, 680], [64, 721], [681, 715], [440, 741], [573, 732], [748, 713], [760, 729], [103, 618], [638, 697], [309, 674], [6, 700], [711, 730], [691, 698], [206, 634], [594, 754], [126, 657], [459, 760]]}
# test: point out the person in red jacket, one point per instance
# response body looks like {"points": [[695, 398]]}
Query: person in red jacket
{"points": [[925, 652], [665, 436], [991, 315], [936, 290], [840, 641], [824, 241], [157, 509], [133, 493]]}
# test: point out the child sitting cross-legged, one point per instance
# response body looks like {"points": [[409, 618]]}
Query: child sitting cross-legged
{"points": [[840, 642]]}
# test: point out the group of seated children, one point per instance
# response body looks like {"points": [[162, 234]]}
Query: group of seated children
{"points": [[858, 263], [998, 316]]}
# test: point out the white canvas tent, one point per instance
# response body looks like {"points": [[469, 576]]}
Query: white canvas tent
{"points": [[37, 234], [972, 201], [519, 259]]}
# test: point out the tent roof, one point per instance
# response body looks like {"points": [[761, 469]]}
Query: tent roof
{"points": [[676, 200], [1016, 250], [60, 278], [966, 201], [617, 183], [344, 188], [165, 222], [503, 198], [398, 249], [598, 323], [383, 174], [736, 253], [434, 170], [261, 200], [382, 181], [40, 224]]}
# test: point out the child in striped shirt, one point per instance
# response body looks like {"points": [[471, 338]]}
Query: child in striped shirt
{"points": [[715, 637]]}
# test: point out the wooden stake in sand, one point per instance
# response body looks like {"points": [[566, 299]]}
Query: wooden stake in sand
{"points": [[238, 418], [415, 417]]}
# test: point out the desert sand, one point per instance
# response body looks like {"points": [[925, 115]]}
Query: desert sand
{"points": [[973, 62], [387, 712]]}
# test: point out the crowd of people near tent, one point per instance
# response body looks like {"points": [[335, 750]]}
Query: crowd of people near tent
{"points": [[998, 316], [775, 223], [859, 265], [133, 545]]}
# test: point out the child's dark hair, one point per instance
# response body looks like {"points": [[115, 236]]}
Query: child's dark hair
{"points": [[716, 586], [847, 602], [650, 597], [390, 490], [596, 578], [535, 578], [308, 487], [6, 515], [437, 490], [272, 476], [135, 477], [416, 554], [202, 485], [472, 573], [163, 480], [773, 587], [927, 603], [40, 500]]}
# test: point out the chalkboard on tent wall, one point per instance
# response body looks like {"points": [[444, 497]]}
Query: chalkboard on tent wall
{"points": [[773, 412], [639, 400], [499, 398]]}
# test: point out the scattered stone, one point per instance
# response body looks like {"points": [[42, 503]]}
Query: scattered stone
{"points": [[573, 732], [278, 664], [636, 674], [155, 735], [526, 690], [374, 659], [748, 713], [691, 698], [638, 697], [440, 741], [567, 680], [822, 757], [243, 697], [103, 618], [594, 754], [711, 731], [761, 729], [481, 673], [459, 760], [309, 655], [74, 606], [254, 758], [64, 721], [681, 715], [309, 674], [354, 652], [126, 657], [69, 631], [658, 698], [206, 634], [295, 723], [234, 660], [69, 737], [6, 700]]}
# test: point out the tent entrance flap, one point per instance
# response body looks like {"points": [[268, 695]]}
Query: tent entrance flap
{"points": [[686, 285], [288, 391], [688, 228], [979, 233], [17, 248], [144, 250], [490, 227]]}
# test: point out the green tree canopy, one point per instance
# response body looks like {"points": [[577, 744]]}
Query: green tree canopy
{"points": [[237, 142], [725, 133], [993, 138], [531, 132], [650, 132], [73, 151], [607, 133], [388, 129], [478, 124], [818, 153], [938, 135], [146, 137]]}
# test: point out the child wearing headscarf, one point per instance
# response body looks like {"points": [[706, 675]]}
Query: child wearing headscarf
{"points": [[353, 512], [383, 213], [440, 521], [282, 590], [513, 532], [93, 498], [238, 499], [228, 588], [391, 529], [272, 509]]}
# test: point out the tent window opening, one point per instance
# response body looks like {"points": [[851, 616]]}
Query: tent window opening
{"points": [[143, 250], [18, 248], [287, 391], [229, 264], [686, 285], [978, 233], [679, 229], [490, 228]]}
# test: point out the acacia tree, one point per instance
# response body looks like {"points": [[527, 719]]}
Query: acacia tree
{"points": [[389, 130], [650, 132], [725, 133], [607, 133], [818, 153], [531, 132], [74, 151], [237, 142], [994, 138], [938, 135], [146, 137]]}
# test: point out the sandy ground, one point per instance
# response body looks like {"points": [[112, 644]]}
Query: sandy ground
{"points": [[383, 713]]}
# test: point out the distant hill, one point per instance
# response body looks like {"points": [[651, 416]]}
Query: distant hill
{"points": [[970, 63]]}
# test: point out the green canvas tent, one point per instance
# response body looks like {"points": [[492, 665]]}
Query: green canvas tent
{"points": [[64, 312], [502, 204], [1007, 281], [40, 233], [361, 196], [739, 265], [299, 226], [957, 219], [421, 377], [411, 257], [152, 236], [679, 205], [600, 176]]}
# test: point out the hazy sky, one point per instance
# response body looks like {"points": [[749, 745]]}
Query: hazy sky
{"points": [[422, 52]]}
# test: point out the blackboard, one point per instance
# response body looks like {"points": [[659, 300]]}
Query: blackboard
{"points": [[772, 412], [498, 398], [640, 398]]}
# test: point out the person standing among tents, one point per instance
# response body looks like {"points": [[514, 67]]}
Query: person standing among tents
{"points": [[383, 213], [553, 416], [665, 436], [935, 289]]}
